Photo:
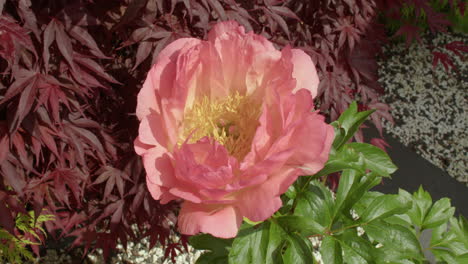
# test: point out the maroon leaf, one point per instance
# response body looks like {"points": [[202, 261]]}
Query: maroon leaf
{"points": [[362, 59], [442, 58], [347, 32], [131, 12], [13, 34], [23, 78], [29, 17], [284, 11], [218, 8], [86, 39], [381, 143], [117, 215], [48, 140], [4, 147], [437, 22], [144, 50], [278, 20], [6, 219], [457, 47], [410, 32], [138, 35], [64, 44], [49, 37], [12, 178], [138, 199], [94, 67], [27, 97], [70, 178]]}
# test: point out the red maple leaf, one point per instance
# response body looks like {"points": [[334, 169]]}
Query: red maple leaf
{"points": [[410, 32], [457, 47], [442, 58]]}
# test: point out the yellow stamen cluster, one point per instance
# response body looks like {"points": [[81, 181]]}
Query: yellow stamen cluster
{"points": [[231, 121]]}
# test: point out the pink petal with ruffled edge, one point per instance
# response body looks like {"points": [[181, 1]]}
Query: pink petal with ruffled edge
{"points": [[220, 221], [304, 72]]}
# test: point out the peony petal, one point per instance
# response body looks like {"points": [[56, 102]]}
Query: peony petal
{"points": [[159, 168], [140, 147], [185, 194], [161, 77], [152, 131], [304, 72], [313, 140], [154, 189], [254, 57], [219, 221], [261, 202]]}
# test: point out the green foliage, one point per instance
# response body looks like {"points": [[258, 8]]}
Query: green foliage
{"points": [[353, 225], [13, 249], [459, 21], [416, 15]]}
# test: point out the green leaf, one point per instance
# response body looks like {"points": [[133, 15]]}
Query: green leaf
{"points": [[316, 203], [348, 196], [348, 123], [460, 229], [375, 158], [351, 190], [439, 213], [444, 254], [346, 158], [218, 248], [210, 258], [330, 250], [299, 250], [422, 202], [209, 242], [356, 249], [258, 244], [462, 259], [300, 224], [398, 242], [384, 206]]}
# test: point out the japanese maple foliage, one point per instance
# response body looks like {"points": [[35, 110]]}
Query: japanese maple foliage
{"points": [[71, 71]]}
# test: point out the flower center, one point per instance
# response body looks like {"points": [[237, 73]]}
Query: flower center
{"points": [[231, 121]]}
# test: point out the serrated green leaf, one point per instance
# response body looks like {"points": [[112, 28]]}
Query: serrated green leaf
{"points": [[330, 250], [358, 190], [422, 203], [398, 242], [444, 254], [218, 248], [299, 250], [300, 224], [365, 201], [316, 203], [384, 206], [460, 229], [440, 213], [257, 244], [209, 242], [348, 123], [356, 249], [346, 158], [352, 190], [440, 235], [375, 158]]}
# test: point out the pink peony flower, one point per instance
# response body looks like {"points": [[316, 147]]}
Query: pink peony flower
{"points": [[227, 125]]}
